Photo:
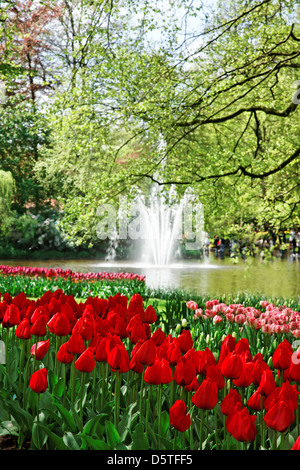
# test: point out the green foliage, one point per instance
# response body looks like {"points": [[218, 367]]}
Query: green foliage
{"points": [[6, 191], [31, 232], [216, 110]]}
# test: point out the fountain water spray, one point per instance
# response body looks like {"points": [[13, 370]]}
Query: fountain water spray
{"points": [[160, 221], [168, 220]]}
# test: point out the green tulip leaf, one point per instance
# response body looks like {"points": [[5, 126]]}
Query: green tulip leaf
{"points": [[67, 417], [112, 435], [95, 444], [139, 438]]}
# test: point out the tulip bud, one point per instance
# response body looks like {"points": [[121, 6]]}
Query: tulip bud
{"points": [[216, 356], [270, 362], [184, 323]]}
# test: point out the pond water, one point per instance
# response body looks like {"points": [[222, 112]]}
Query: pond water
{"points": [[211, 276]]}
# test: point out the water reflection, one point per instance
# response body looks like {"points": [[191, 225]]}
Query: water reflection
{"points": [[277, 278]]}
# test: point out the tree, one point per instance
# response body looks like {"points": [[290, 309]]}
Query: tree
{"points": [[6, 191], [236, 119], [217, 111], [25, 79]]}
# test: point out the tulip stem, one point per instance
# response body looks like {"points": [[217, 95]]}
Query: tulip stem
{"points": [[141, 395], [202, 416], [274, 445], [117, 398], [81, 398], [103, 391], [73, 374], [175, 439], [94, 387], [38, 406], [159, 407], [297, 414], [191, 426], [262, 423], [147, 407], [216, 428], [281, 377], [21, 363], [65, 384]]}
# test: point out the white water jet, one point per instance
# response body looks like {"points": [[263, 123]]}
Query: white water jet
{"points": [[167, 221]]}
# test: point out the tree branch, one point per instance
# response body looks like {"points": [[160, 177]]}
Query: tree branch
{"points": [[240, 169]]}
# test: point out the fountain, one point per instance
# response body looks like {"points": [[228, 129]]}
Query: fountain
{"points": [[166, 221], [158, 227]]}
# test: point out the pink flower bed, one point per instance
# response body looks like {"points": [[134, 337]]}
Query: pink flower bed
{"points": [[270, 318]]}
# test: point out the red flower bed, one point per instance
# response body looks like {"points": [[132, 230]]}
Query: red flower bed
{"points": [[249, 399], [68, 274]]}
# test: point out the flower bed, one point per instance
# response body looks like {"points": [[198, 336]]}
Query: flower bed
{"points": [[68, 274], [36, 281], [107, 374], [270, 319]]}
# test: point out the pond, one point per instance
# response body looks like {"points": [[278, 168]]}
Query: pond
{"points": [[212, 276]]}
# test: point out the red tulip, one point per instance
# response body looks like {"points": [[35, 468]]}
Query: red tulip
{"points": [[280, 416], [39, 350], [59, 325], [120, 327], [287, 392], [205, 359], [38, 381], [11, 316], [185, 371], [214, 373], [100, 351], [193, 386], [256, 401], [39, 311], [23, 330], [135, 303], [85, 326], [39, 327], [173, 352], [228, 342], [118, 358], [232, 366], [158, 336], [146, 353], [63, 355], [267, 383], [282, 355], [259, 365], [75, 344], [178, 416], [246, 378], [136, 329], [242, 346], [296, 446], [136, 365], [86, 361], [185, 341], [241, 425], [230, 401], [149, 315], [159, 373], [206, 397]]}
